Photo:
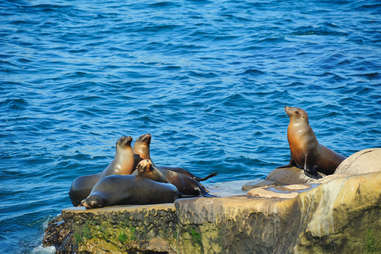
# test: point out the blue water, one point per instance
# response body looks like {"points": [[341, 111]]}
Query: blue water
{"points": [[208, 79]]}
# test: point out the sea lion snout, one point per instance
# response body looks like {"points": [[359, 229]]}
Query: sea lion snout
{"points": [[288, 110], [295, 112], [93, 202]]}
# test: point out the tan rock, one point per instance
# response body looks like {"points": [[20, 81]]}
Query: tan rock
{"points": [[362, 162], [264, 193], [281, 176]]}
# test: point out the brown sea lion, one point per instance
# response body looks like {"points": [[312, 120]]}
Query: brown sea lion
{"points": [[123, 164], [306, 152], [142, 151], [184, 184], [129, 190]]}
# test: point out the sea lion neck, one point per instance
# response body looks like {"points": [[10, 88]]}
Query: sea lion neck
{"points": [[124, 158]]}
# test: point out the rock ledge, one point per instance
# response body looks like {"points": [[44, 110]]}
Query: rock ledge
{"points": [[339, 214]]}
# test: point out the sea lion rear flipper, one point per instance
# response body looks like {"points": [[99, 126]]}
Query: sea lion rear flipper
{"points": [[199, 179], [204, 192]]}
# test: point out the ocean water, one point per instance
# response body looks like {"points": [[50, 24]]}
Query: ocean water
{"points": [[208, 79]]}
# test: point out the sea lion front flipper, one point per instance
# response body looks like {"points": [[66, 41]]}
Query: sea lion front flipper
{"points": [[310, 170]]}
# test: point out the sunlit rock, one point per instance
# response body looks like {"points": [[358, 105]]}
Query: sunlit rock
{"points": [[340, 213]]}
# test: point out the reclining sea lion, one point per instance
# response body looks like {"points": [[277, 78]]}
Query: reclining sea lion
{"points": [[129, 190], [122, 164], [184, 184], [142, 152]]}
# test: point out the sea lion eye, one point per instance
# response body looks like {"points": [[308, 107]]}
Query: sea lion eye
{"points": [[297, 112]]}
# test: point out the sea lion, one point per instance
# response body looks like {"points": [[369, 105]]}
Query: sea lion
{"points": [[129, 190], [306, 152], [184, 184], [123, 164], [142, 152]]}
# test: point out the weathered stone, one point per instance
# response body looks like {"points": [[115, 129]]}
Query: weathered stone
{"points": [[362, 162], [281, 176], [116, 229], [344, 216], [336, 214]]}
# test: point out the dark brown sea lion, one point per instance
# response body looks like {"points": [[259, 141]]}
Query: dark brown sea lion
{"points": [[129, 190], [306, 152], [142, 152], [123, 164], [185, 185]]}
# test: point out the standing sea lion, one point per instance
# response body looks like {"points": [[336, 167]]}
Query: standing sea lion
{"points": [[184, 184], [306, 152], [129, 190], [123, 164], [142, 152]]}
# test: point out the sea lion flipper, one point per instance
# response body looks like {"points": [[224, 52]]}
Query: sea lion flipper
{"points": [[309, 168], [203, 191], [200, 179]]}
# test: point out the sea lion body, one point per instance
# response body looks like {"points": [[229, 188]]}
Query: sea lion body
{"points": [[142, 152], [184, 184], [122, 164], [81, 187], [306, 152], [129, 190], [187, 173]]}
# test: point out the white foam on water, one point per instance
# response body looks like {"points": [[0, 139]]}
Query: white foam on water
{"points": [[44, 250]]}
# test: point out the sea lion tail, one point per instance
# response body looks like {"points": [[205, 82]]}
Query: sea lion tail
{"points": [[199, 179]]}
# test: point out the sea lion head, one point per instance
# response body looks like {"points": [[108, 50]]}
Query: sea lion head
{"points": [[124, 142], [296, 114], [142, 146], [147, 169], [93, 201]]}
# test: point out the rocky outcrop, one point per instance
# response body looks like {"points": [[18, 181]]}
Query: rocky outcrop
{"points": [[337, 214], [116, 229], [362, 162]]}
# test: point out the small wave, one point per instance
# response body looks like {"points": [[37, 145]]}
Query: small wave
{"points": [[310, 30], [202, 74], [369, 76], [15, 104], [163, 4], [237, 100], [252, 72], [44, 250]]}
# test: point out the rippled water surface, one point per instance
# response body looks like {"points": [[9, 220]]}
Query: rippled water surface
{"points": [[208, 79]]}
